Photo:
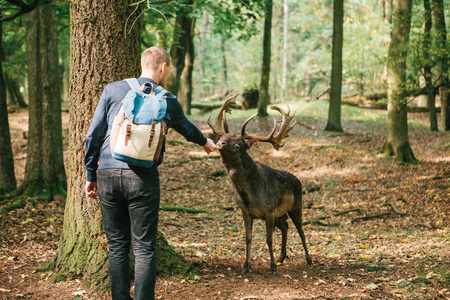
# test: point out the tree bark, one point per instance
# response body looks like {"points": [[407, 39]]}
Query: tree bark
{"points": [[397, 142], [186, 76], [427, 67], [178, 50], [265, 70], [442, 57], [7, 176], [100, 54], [334, 111]]}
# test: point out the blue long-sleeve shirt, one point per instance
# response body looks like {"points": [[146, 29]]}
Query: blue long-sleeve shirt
{"points": [[97, 140]]}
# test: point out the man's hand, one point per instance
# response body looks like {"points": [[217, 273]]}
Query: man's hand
{"points": [[209, 146], [91, 189]]}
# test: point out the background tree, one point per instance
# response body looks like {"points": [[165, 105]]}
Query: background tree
{"points": [[181, 36], [44, 172], [285, 53], [265, 70], [7, 176], [442, 58], [397, 142], [427, 66], [334, 111], [186, 76]]}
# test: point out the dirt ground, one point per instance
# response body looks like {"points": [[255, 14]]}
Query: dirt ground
{"points": [[376, 229]]}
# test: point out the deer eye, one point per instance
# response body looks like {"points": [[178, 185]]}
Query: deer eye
{"points": [[238, 144]]}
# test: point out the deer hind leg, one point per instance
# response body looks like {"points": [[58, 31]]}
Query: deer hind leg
{"points": [[283, 226], [248, 221], [270, 226], [296, 216]]}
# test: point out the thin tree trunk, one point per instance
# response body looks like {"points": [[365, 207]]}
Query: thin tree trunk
{"points": [[186, 76], [442, 66], [334, 111], [224, 61], [44, 170], [7, 176], [285, 54], [53, 162], [387, 17], [199, 59], [427, 67], [265, 70], [100, 54], [34, 165], [14, 91], [10, 99], [397, 142], [178, 50], [387, 11]]}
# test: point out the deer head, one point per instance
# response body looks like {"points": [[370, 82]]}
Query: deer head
{"points": [[239, 143]]}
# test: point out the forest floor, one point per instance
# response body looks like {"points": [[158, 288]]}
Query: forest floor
{"points": [[377, 229]]}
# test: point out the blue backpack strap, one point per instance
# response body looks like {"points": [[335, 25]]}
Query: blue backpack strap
{"points": [[133, 83], [160, 91]]}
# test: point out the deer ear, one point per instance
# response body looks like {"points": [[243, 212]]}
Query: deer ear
{"points": [[251, 143]]}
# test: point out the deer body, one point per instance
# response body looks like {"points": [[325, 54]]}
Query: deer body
{"points": [[260, 191]]}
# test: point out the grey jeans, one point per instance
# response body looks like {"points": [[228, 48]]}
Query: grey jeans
{"points": [[129, 203]]}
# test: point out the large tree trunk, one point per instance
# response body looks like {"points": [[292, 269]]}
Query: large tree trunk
{"points": [[186, 76], [334, 111], [397, 142], [100, 54], [7, 176], [178, 50], [265, 70], [442, 66], [427, 67]]}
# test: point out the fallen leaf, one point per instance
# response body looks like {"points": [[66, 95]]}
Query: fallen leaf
{"points": [[372, 286]]}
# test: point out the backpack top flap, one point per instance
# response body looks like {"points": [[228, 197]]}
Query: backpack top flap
{"points": [[144, 107]]}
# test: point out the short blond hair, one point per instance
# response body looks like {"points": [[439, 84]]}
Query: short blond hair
{"points": [[153, 57]]}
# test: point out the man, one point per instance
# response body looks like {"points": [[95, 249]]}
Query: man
{"points": [[129, 195]]}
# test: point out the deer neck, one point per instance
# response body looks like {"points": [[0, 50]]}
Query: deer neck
{"points": [[242, 169]]}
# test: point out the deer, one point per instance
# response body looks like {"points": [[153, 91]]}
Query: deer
{"points": [[260, 191]]}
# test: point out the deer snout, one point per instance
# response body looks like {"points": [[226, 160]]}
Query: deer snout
{"points": [[221, 144]]}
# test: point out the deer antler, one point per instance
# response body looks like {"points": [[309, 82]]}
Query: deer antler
{"points": [[275, 140], [221, 117]]}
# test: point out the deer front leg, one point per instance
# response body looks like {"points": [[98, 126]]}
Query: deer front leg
{"points": [[248, 240], [270, 225]]}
